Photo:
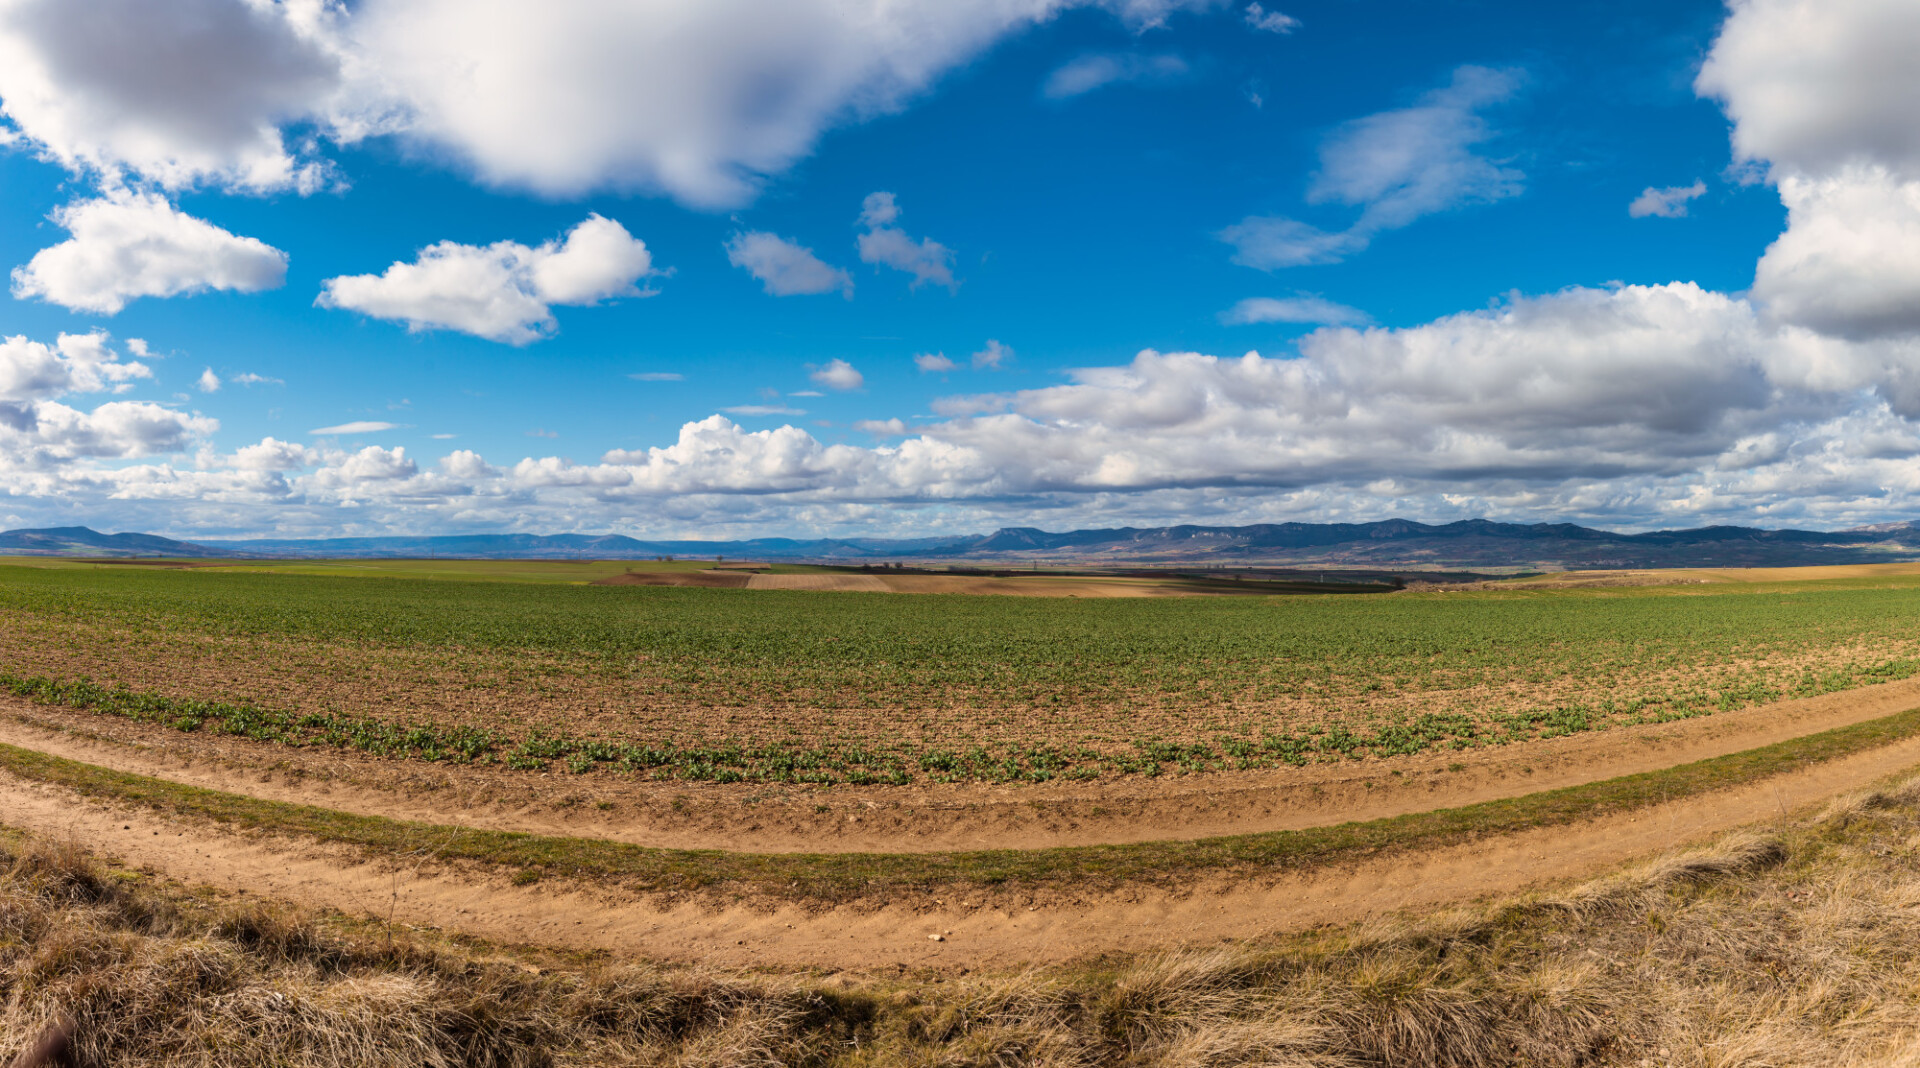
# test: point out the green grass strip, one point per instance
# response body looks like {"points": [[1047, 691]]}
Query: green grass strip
{"points": [[835, 876]]}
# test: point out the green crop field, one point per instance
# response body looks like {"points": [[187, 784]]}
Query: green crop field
{"points": [[542, 571], [847, 687]]}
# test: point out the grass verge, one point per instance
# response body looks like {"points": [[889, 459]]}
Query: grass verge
{"points": [[1799, 948], [840, 876]]}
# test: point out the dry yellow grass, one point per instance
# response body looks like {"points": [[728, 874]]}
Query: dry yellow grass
{"points": [[1717, 575], [1800, 946]]}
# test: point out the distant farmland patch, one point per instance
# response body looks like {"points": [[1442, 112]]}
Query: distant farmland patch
{"points": [[799, 686]]}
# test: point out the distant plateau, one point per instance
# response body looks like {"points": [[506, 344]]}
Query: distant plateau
{"points": [[1390, 544]]}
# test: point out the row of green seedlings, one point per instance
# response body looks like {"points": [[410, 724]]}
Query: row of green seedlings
{"points": [[1424, 733], [466, 745], [731, 762], [858, 765]]}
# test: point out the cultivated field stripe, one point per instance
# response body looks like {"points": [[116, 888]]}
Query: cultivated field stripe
{"points": [[784, 687], [840, 875]]}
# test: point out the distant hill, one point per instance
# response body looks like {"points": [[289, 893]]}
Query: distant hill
{"points": [[588, 547], [1476, 543], [1394, 543], [85, 541]]}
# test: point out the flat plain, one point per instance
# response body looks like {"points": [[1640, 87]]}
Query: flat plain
{"points": [[543, 671], [639, 811]]}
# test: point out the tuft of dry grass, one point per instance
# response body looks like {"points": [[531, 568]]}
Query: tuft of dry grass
{"points": [[1795, 945]]}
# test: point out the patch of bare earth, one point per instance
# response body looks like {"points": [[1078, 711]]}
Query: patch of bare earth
{"points": [[886, 582], [975, 927], [704, 703], [1688, 576], [707, 579], [925, 817], [1799, 945], [826, 583]]}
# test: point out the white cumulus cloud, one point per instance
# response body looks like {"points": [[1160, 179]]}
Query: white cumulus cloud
{"points": [[1849, 263], [504, 291], [75, 363], [701, 100], [208, 382], [176, 92], [128, 245], [467, 464], [1655, 404], [374, 464], [1815, 86], [272, 454], [933, 362], [838, 374], [1638, 405], [697, 98], [1823, 93], [116, 430], [37, 429]]}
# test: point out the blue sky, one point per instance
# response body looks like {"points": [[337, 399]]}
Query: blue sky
{"points": [[949, 266]]}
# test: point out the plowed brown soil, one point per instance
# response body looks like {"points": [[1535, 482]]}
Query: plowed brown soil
{"points": [[1013, 586], [924, 818], [845, 583], [1004, 932], [1054, 586], [1706, 575], [708, 579], [903, 706]]}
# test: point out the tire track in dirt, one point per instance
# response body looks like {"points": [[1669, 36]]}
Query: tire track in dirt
{"points": [[926, 819], [585, 916]]}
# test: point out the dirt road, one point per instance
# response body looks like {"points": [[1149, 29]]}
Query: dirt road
{"points": [[971, 935]]}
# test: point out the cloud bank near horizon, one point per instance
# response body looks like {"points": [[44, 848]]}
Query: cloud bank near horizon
{"points": [[1650, 404]]}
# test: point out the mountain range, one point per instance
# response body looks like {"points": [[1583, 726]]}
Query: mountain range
{"points": [[1393, 543]]}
